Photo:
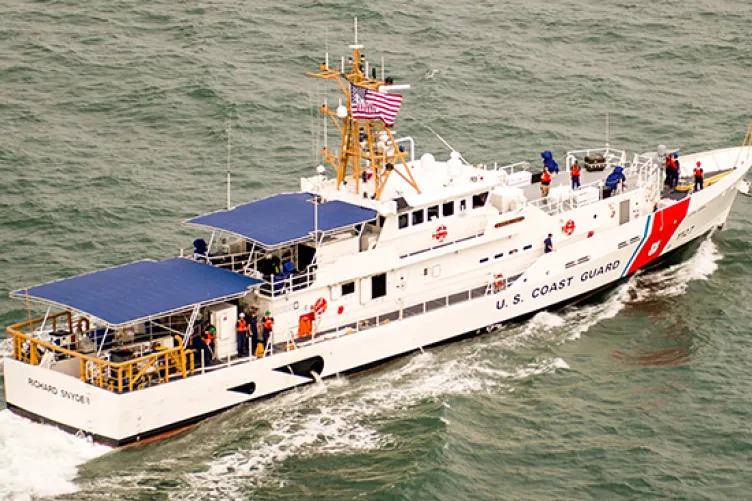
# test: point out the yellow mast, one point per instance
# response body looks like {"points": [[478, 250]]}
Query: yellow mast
{"points": [[372, 157]]}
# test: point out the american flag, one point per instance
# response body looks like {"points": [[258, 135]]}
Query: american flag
{"points": [[371, 104]]}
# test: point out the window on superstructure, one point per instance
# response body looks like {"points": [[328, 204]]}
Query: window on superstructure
{"points": [[381, 221], [484, 260], [447, 209], [479, 200], [403, 221], [418, 217], [378, 286], [497, 256], [348, 288], [527, 247], [433, 212], [463, 204]]}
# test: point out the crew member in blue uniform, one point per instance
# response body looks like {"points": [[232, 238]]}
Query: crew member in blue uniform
{"points": [[548, 245], [253, 325]]}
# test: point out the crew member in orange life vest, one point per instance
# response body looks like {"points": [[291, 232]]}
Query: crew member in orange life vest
{"points": [[267, 323], [545, 183], [575, 173], [205, 342], [675, 171], [241, 334], [672, 170], [699, 177]]}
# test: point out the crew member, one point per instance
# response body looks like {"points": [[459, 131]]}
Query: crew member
{"points": [[548, 245], [253, 326], [677, 170], [241, 334], [545, 183], [699, 176], [575, 174], [669, 170], [267, 323], [206, 341]]}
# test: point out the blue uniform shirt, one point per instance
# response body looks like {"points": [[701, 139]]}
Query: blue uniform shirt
{"points": [[548, 246]]}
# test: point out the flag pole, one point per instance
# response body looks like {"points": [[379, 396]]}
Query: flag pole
{"points": [[316, 222], [28, 304], [229, 149]]}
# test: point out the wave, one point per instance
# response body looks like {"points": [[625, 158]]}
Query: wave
{"points": [[674, 280], [6, 349], [39, 460]]}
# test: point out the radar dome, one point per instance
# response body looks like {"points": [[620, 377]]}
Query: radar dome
{"points": [[427, 160]]}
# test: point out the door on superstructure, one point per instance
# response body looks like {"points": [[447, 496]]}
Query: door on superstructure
{"points": [[623, 212], [373, 287]]}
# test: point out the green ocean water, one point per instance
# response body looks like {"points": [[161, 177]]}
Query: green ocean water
{"points": [[113, 121]]}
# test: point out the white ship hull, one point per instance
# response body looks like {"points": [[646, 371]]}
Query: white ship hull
{"points": [[612, 255]]}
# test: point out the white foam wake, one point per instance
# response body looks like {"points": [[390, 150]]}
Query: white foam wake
{"points": [[316, 420], [674, 280], [38, 460], [343, 417], [313, 421], [567, 324], [6, 349]]}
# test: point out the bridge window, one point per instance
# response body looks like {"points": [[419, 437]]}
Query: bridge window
{"points": [[433, 212], [418, 217], [448, 209], [403, 221], [348, 288], [378, 286], [479, 200]]}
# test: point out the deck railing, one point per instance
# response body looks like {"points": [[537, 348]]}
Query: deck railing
{"points": [[154, 368], [296, 281], [494, 284]]}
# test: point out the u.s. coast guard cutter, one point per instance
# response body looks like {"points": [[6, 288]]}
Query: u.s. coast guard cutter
{"points": [[391, 254]]}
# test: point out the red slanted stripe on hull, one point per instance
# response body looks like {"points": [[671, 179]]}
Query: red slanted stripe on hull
{"points": [[665, 223]]}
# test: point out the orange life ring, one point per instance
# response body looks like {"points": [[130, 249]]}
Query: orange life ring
{"points": [[568, 228], [80, 326], [319, 307], [498, 282], [441, 233]]}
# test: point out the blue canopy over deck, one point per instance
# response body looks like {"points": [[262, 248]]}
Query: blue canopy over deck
{"points": [[284, 219], [145, 289]]}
